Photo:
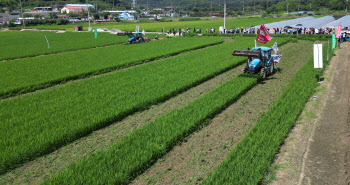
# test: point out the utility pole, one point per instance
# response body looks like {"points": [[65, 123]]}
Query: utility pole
{"points": [[113, 5], [51, 11], [211, 9], [346, 8], [134, 4], [254, 7], [22, 14], [88, 15], [287, 8], [224, 15], [243, 5], [298, 6]]}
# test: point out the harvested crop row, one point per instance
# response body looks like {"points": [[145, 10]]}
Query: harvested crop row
{"points": [[41, 122], [30, 74], [249, 160], [137, 151], [16, 44]]}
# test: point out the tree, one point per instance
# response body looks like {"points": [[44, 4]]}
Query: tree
{"points": [[72, 14], [96, 16], [115, 15], [27, 15], [37, 16], [156, 12], [104, 15]]}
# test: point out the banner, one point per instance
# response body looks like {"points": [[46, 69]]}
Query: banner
{"points": [[338, 31], [143, 32], [95, 33], [163, 30], [318, 59], [276, 59], [333, 41], [263, 35], [275, 48]]}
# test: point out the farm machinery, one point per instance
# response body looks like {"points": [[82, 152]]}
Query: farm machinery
{"points": [[135, 38], [260, 61]]}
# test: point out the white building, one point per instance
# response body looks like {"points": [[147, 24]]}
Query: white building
{"points": [[76, 8]]}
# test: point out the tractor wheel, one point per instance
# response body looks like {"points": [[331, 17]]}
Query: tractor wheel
{"points": [[272, 68], [244, 70], [263, 73]]}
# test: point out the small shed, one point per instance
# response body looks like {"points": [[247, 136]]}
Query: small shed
{"points": [[78, 28]]}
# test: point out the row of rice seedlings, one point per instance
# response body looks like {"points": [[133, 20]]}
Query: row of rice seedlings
{"points": [[137, 151], [40, 122], [15, 44], [25, 75], [249, 161]]}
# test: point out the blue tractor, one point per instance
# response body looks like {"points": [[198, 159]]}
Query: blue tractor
{"points": [[259, 61], [135, 38]]}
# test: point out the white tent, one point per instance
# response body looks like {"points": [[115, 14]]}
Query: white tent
{"points": [[315, 23], [287, 22], [344, 21]]}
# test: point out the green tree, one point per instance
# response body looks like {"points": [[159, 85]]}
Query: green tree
{"points": [[115, 15], [104, 15], [37, 16]]}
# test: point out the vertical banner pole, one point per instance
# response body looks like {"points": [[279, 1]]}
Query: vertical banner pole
{"points": [[48, 45], [328, 51]]}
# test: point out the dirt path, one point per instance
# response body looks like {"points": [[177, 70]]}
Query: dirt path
{"points": [[328, 159], [195, 158], [317, 149]]}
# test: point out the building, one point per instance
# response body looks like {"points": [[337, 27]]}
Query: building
{"points": [[3, 19], [71, 9], [169, 8], [41, 9], [57, 7], [125, 15], [84, 6], [15, 12], [62, 16], [76, 8]]}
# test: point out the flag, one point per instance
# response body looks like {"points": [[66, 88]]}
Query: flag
{"points": [[143, 32], [255, 43], [263, 35], [338, 31], [275, 48]]}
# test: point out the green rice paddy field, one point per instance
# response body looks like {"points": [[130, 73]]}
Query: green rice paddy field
{"points": [[54, 103]]}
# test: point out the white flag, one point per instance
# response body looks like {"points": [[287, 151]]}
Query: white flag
{"points": [[274, 47], [255, 43], [143, 32]]}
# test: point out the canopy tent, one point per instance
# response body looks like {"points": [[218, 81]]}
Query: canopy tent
{"points": [[344, 21], [315, 23], [282, 24]]}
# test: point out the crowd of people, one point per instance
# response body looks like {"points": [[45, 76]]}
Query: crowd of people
{"points": [[253, 30]]}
